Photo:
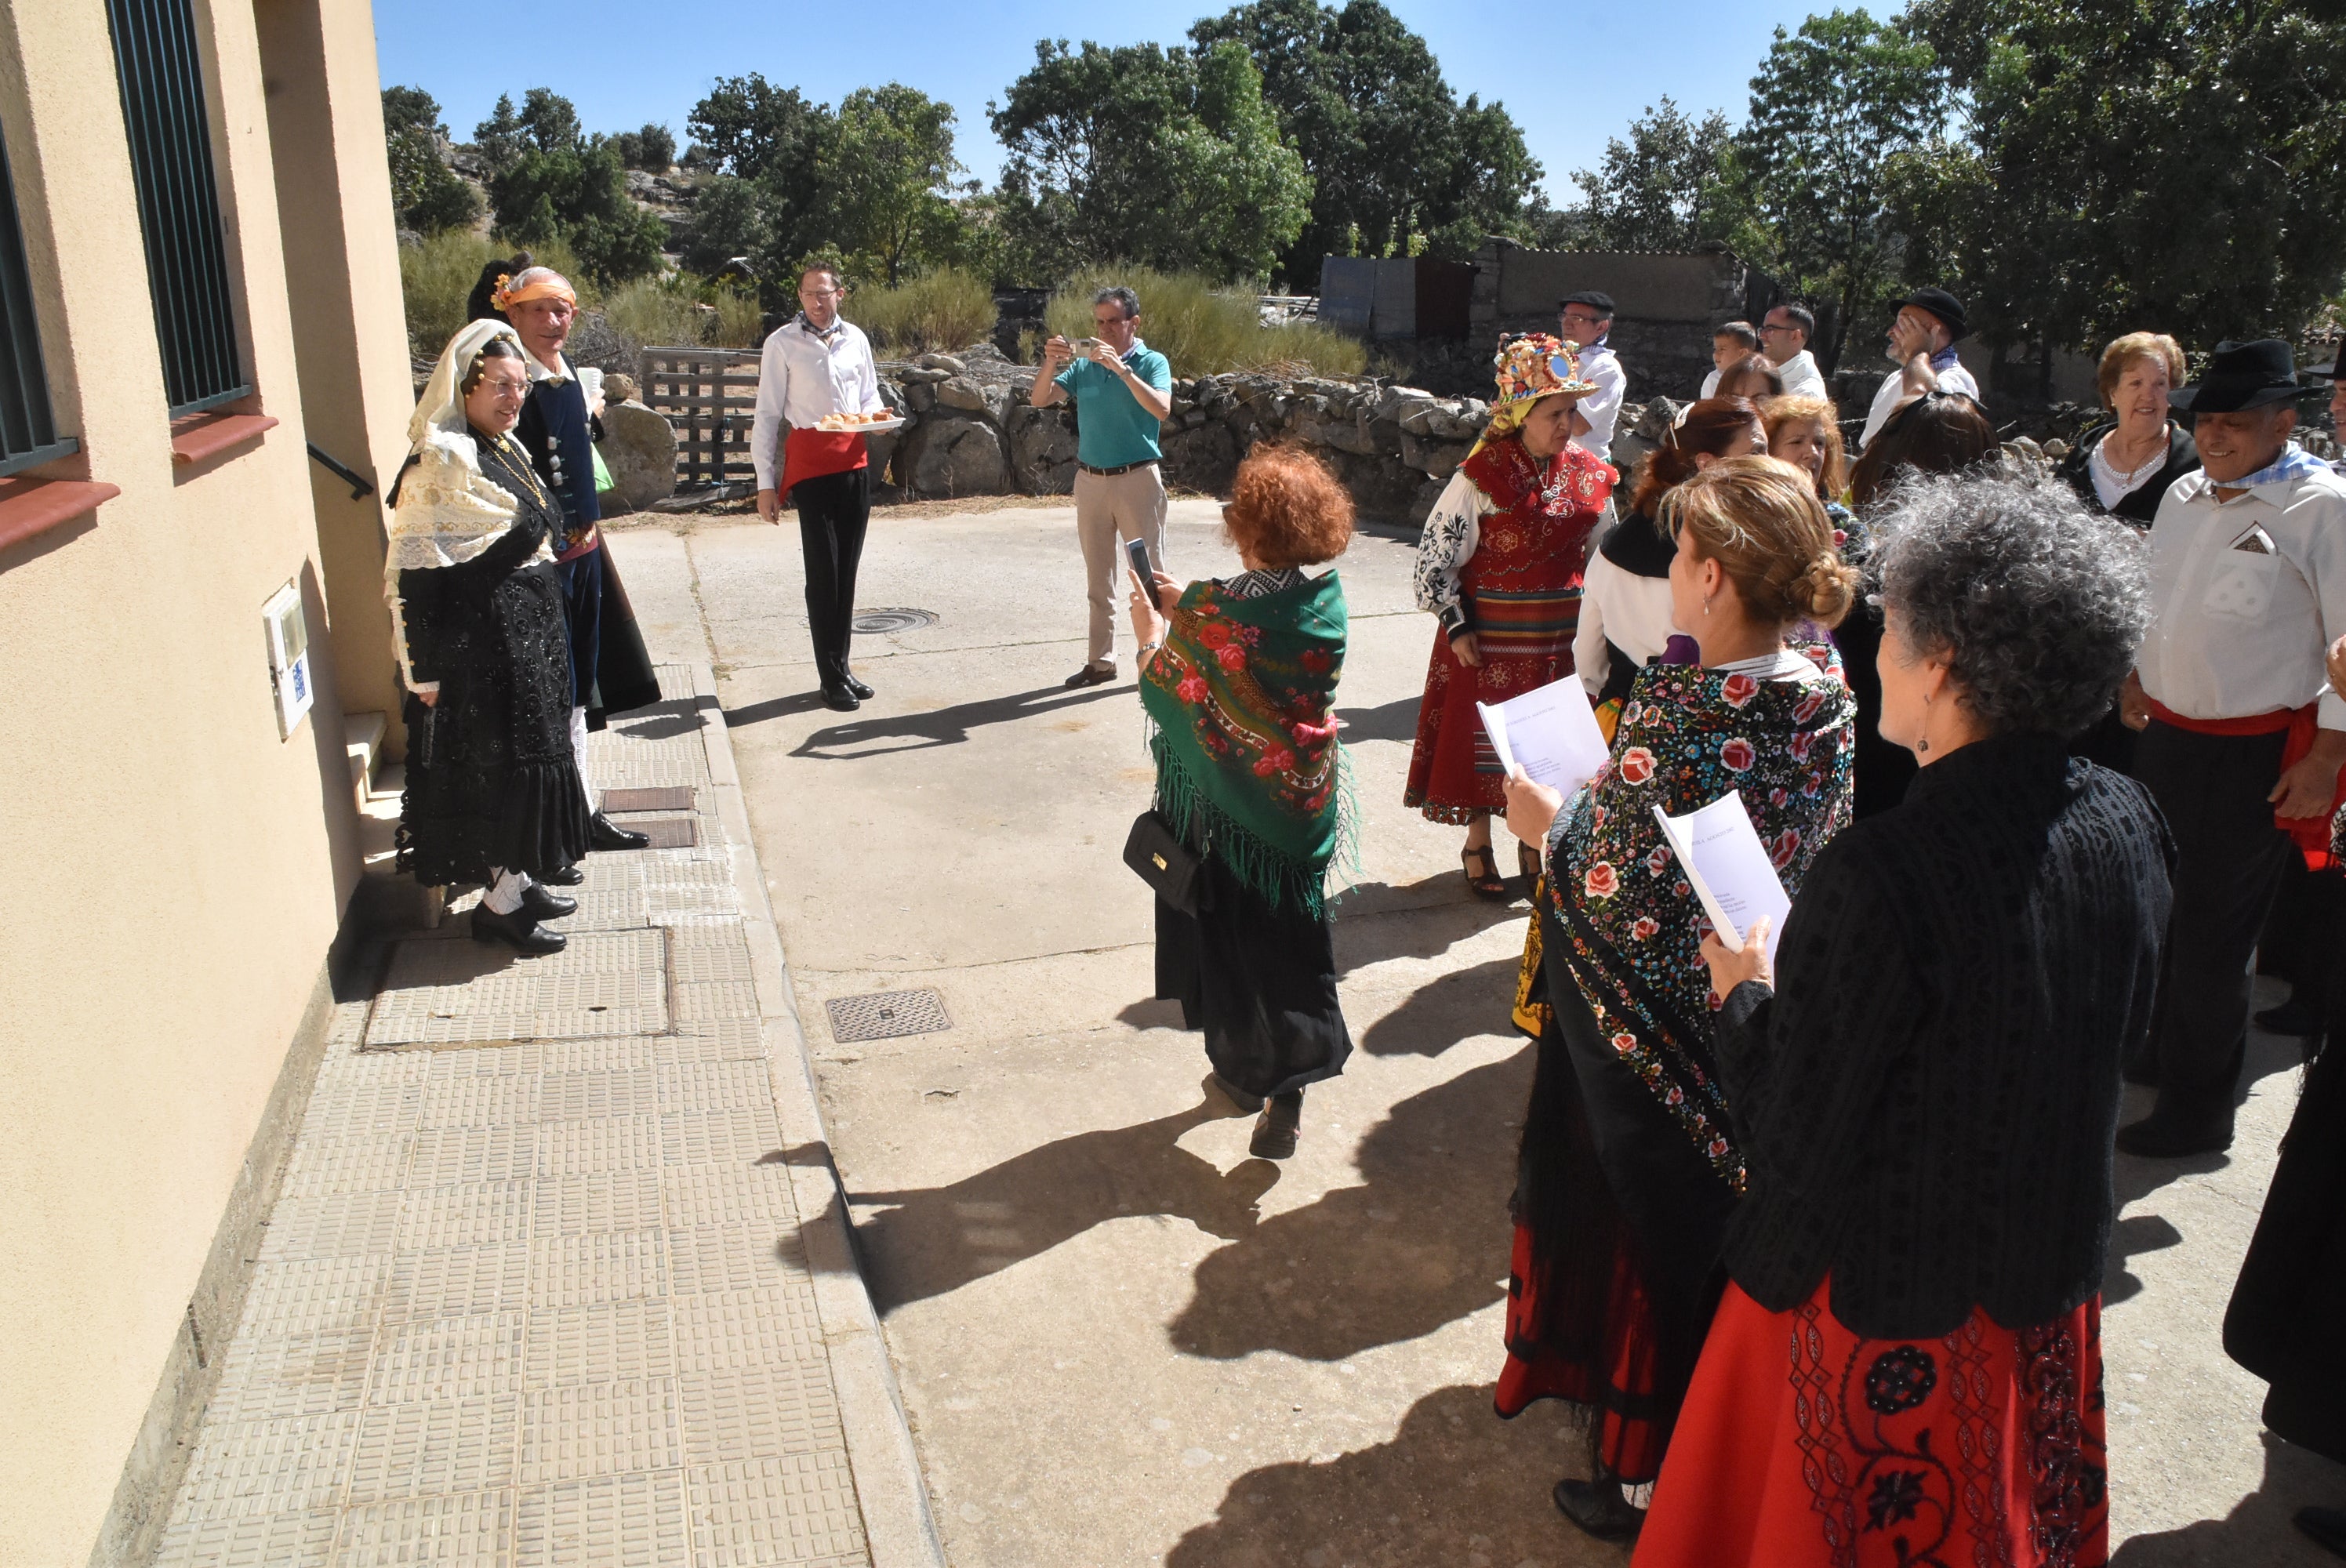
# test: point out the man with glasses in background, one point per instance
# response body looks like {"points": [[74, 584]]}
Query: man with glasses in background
{"points": [[1784, 338], [1588, 321]]}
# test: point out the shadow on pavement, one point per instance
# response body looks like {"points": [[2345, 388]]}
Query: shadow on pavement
{"points": [[931, 1240], [2257, 1530], [1453, 1006], [1394, 720], [1455, 1485], [860, 738], [1422, 1242], [773, 707]]}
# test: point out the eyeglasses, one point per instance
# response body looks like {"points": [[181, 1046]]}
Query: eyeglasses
{"points": [[1584, 318], [1777, 327]]}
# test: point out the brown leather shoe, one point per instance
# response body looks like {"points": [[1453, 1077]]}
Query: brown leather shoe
{"points": [[1091, 675]]}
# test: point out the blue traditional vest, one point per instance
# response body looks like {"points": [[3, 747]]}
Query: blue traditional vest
{"points": [[560, 436]]}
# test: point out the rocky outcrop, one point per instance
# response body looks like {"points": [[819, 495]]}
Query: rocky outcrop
{"points": [[638, 447]]}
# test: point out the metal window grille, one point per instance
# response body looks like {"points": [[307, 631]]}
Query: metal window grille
{"points": [[158, 57], [29, 428]]}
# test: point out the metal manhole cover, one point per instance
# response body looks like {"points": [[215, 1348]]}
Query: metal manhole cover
{"points": [[878, 623], [884, 1014]]}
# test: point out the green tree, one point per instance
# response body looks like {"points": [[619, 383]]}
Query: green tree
{"points": [[426, 195], [1391, 153], [550, 120], [1169, 158], [412, 109], [500, 138], [1830, 108], [750, 127], [1671, 186], [578, 194], [885, 173], [2130, 164], [728, 223], [652, 148]]}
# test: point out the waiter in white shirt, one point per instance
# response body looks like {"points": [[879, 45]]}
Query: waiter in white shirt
{"points": [[1922, 343], [2248, 582], [1588, 320], [814, 365], [1784, 334]]}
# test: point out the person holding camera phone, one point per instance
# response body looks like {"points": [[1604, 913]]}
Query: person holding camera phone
{"points": [[1123, 392]]}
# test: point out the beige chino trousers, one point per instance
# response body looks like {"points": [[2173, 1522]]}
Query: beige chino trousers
{"points": [[1130, 505]]}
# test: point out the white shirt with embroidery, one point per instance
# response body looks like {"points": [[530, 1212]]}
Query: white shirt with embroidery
{"points": [[1453, 530]]}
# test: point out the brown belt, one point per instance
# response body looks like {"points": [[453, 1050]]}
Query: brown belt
{"points": [[1112, 472]]}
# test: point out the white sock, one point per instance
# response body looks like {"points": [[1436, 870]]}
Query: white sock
{"points": [[502, 895], [578, 747]]}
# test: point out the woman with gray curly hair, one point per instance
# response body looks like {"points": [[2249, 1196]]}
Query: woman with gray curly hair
{"points": [[1928, 1095]]}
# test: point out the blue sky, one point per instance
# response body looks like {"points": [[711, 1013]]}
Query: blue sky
{"points": [[1572, 74]]}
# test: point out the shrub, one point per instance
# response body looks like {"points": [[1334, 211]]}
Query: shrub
{"points": [[680, 310], [437, 275], [939, 310], [1203, 330]]}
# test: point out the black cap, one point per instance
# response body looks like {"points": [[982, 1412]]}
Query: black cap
{"points": [[2241, 376], [1602, 304], [1942, 304]]}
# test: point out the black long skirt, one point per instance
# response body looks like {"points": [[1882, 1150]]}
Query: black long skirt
{"points": [[1261, 982]]}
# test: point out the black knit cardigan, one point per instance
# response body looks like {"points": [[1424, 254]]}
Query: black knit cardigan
{"points": [[1927, 1104]]}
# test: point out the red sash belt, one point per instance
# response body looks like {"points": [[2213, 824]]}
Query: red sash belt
{"points": [[2281, 719], [810, 453], [2312, 834]]}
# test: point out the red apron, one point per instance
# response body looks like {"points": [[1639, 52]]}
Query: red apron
{"points": [[810, 453]]}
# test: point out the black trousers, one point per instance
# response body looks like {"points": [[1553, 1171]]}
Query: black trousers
{"points": [[582, 595], [833, 511], [2229, 861]]}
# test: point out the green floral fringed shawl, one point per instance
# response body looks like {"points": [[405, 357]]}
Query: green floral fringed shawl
{"points": [[1241, 697]]}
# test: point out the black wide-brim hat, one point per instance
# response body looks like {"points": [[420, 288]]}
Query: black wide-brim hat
{"points": [[2241, 376], [1944, 306]]}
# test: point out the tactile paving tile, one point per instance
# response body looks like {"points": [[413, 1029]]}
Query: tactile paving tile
{"points": [[331, 1225], [603, 1265], [706, 1003], [684, 887], [758, 1412], [324, 1164], [251, 1540], [756, 1512], [436, 1446], [614, 1342], [601, 1429], [477, 1215], [479, 1099], [278, 1377], [716, 1086], [316, 1295], [702, 1258], [726, 1195], [603, 982], [630, 1054], [719, 1040], [605, 1144], [466, 1530], [457, 1281], [709, 955], [352, 1105], [291, 1466], [475, 1061], [759, 1327], [464, 1358], [617, 906], [447, 1155], [666, 800], [616, 1522], [606, 1200], [583, 1095], [741, 1136]]}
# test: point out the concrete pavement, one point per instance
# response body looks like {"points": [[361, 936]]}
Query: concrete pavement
{"points": [[1120, 1339]]}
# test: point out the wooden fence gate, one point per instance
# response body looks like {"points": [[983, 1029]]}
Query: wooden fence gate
{"points": [[710, 396]]}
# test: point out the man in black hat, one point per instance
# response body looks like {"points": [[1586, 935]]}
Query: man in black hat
{"points": [[1922, 343], [1587, 321], [2247, 581]]}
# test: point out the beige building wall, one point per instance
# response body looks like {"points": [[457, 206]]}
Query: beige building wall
{"points": [[176, 871]]}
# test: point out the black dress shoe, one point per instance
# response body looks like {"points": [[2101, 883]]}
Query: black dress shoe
{"points": [[838, 696], [1598, 1508], [1275, 1131], [2296, 1016], [2153, 1139], [1090, 675], [539, 905], [605, 834], [847, 679], [516, 930], [561, 877]]}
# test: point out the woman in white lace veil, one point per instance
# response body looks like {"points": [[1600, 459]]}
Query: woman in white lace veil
{"points": [[493, 792]]}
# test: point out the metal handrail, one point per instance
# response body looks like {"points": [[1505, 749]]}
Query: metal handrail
{"points": [[361, 487]]}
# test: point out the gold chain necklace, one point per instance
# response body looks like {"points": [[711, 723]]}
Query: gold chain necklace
{"points": [[528, 470]]}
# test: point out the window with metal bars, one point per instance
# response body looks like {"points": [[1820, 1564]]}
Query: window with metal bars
{"points": [[159, 58], [29, 427]]}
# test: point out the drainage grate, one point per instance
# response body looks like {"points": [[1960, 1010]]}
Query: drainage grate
{"points": [[665, 832], [884, 1014], [671, 798], [880, 622]]}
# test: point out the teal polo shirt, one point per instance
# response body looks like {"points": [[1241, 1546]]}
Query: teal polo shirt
{"points": [[1112, 429]]}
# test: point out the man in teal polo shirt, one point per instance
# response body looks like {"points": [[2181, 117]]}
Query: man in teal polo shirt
{"points": [[1122, 390]]}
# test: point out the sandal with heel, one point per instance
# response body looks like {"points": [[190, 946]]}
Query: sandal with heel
{"points": [[1486, 884]]}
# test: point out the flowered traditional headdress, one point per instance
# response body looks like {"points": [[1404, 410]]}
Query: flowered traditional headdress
{"points": [[1530, 368], [534, 283]]}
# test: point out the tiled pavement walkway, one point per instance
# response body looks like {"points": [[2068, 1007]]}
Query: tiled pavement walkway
{"points": [[537, 1288]]}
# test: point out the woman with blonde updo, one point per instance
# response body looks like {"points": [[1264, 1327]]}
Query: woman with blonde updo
{"points": [[1629, 1164]]}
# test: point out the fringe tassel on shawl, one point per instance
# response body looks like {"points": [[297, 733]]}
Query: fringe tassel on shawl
{"points": [[1277, 877]]}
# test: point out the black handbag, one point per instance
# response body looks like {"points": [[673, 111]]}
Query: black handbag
{"points": [[1176, 871]]}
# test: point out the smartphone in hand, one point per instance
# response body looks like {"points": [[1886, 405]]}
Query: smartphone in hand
{"points": [[1136, 552]]}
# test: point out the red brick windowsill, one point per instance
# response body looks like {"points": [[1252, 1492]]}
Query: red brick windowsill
{"points": [[30, 507], [197, 436]]}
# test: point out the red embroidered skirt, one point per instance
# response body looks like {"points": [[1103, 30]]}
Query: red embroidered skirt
{"points": [[1525, 640], [1803, 1445]]}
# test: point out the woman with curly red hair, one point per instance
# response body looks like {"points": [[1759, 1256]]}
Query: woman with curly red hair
{"points": [[1238, 678], [1498, 566]]}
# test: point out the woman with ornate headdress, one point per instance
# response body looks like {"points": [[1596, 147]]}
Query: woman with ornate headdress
{"points": [[1499, 567], [1629, 1164], [492, 793]]}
